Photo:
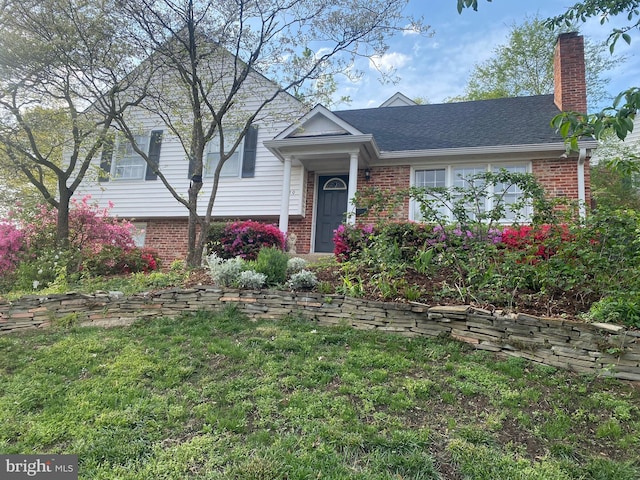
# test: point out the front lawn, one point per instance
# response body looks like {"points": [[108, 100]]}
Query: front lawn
{"points": [[218, 396]]}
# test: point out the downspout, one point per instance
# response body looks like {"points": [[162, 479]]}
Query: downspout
{"points": [[582, 194]]}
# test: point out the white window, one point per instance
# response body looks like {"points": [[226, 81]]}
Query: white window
{"points": [[139, 233], [129, 165], [232, 167], [433, 178], [461, 177], [510, 195]]}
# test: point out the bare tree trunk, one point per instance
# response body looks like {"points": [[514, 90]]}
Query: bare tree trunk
{"points": [[62, 228], [194, 255]]}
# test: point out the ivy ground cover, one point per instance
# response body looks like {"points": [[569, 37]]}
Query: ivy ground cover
{"points": [[215, 396]]}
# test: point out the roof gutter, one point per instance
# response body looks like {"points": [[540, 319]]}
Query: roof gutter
{"points": [[485, 150], [582, 194]]}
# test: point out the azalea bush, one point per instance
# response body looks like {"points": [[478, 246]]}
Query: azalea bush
{"points": [[244, 239], [349, 239], [12, 243], [99, 244]]}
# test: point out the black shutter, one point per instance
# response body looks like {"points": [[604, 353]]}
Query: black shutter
{"points": [[105, 160], [249, 157], [154, 154]]}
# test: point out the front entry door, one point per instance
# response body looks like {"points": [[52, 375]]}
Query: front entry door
{"points": [[331, 209]]}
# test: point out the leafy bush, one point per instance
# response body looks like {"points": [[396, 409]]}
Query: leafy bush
{"points": [[295, 265], [273, 263], [623, 308], [245, 239], [98, 245], [224, 272], [303, 280], [252, 280], [113, 259], [11, 245], [350, 239]]}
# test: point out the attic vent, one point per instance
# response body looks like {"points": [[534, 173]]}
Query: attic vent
{"points": [[335, 184]]}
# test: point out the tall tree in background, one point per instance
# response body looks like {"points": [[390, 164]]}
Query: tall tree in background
{"points": [[524, 65], [227, 64], [619, 116], [62, 65]]}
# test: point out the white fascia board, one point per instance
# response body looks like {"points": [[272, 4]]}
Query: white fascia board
{"points": [[486, 150], [306, 145]]}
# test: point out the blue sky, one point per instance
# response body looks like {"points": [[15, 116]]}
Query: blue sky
{"points": [[438, 67]]}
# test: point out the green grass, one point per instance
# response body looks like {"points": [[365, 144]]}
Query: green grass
{"points": [[216, 396]]}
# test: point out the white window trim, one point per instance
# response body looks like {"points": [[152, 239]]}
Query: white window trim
{"points": [[449, 178], [114, 164]]}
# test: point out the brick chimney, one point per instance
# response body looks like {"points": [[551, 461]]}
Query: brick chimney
{"points": [[570, 87]]}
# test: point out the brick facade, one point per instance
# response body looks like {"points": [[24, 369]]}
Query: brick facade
{"points": [[169, 237], [559, 177]]}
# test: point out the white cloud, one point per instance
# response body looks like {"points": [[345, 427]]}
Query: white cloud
{"points": [[410, 30], [388, 61]]}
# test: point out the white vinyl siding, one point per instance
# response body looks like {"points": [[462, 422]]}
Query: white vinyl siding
{"points": [[236, 197]]}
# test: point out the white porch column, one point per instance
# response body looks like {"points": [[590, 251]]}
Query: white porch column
{"points": [[353, 185], [286, 194]]}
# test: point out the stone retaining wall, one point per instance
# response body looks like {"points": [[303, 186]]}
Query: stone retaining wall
{"points": [[602, 349]]}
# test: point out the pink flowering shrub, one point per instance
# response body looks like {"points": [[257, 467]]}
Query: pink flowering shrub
{"points": [[540, 242], [12, 244], [245, 239], [350, 239], [91, 228], [99, 244]]}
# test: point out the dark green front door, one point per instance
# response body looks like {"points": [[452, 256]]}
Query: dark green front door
{"points": [[331, 209]]}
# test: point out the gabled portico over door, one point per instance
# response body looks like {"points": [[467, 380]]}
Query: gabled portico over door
{"points": [[331, 208]]}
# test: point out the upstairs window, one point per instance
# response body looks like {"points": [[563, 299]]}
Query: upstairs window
{"points": [[241, 164], [232, 167], [127, 164]]}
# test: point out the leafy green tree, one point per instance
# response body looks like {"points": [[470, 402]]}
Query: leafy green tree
{"points": [[619, 116], [615, 181], [62, 70], [524, 65], [211, 53]]}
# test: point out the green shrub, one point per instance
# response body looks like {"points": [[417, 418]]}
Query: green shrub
{"points": [[623, 308], [273, 263]]}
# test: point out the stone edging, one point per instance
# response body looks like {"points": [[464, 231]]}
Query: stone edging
{"points": [[602, 349]]}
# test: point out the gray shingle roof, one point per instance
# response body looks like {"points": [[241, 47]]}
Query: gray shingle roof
{"points": [[503, 121]]}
